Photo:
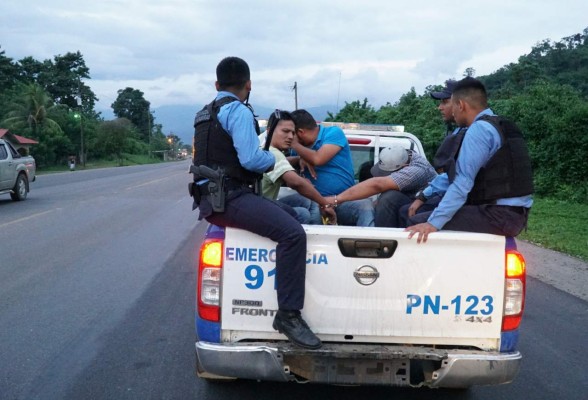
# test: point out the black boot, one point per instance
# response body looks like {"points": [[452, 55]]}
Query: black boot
{"points": [[291, 324]]}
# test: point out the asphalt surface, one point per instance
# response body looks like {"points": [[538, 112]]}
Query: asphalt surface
{"points": [[97, 301]]}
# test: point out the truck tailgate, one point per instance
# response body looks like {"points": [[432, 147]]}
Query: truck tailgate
{"points": [[373, 285]]}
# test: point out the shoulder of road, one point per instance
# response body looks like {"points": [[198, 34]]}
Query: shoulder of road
{"points": [[564, 272]]}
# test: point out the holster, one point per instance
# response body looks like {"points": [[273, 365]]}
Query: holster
{"points": [[218, 195], [212, 183]]}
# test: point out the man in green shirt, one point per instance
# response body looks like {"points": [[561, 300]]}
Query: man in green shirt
{"points": [[282, 130]]}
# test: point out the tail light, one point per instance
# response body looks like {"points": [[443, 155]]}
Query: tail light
{"points": [[209, 279], [514, 290]]}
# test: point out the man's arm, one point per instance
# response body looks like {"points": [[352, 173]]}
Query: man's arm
{"points": [[478, 146], [304, 187], [316, 157], [365, 189], [294, 161], [437, 186]]}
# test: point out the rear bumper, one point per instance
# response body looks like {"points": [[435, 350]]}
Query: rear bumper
{"points": [[358, 364]]}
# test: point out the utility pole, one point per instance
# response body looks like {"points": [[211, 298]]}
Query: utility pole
{"points": [[149, 130], [295, 89], [81, 106], [338, 92], [82, 138]]}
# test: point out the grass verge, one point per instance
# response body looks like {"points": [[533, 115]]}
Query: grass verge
{"points": [[559, 225], [128, 159]]}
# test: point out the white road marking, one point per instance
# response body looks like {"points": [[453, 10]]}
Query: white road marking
{"points": [[27, 218]]}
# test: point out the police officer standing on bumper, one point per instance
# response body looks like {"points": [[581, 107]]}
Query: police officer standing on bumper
{"points": [[225, 140]]}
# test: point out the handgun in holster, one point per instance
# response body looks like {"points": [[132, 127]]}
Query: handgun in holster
{"points": [[212, 183]]}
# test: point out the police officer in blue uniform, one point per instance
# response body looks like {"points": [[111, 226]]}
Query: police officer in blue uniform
{"points": [[490, 189], [226, 142]]}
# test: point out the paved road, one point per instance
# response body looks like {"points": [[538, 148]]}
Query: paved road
{"points": [[74, 258], [97, 301]]}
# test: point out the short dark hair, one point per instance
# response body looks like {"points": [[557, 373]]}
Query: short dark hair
{"points": [[232, 72], [303, 119], [472, 91]]}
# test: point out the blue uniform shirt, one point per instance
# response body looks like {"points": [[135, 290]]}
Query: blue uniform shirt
{"points": [[237, 120], [479, 144]]}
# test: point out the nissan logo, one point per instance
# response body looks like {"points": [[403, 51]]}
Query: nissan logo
{"points": [[366, 275]]}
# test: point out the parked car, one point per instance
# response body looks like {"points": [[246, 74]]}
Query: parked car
{"points": [[16, 172]]}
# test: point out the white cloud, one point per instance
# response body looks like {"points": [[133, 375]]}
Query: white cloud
{"points": [[336, 51]]}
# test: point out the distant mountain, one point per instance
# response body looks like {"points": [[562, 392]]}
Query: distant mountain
{"points": [[179, 119]]}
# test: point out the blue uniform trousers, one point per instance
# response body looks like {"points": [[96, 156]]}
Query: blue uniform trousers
{"points": [[253, 213], [484, 218]]}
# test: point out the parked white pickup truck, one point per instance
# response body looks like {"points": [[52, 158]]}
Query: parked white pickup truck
{"points": [[16, 172], [388, 310]]}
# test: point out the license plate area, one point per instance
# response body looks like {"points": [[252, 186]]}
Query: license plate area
{"points": [[394, 372]]}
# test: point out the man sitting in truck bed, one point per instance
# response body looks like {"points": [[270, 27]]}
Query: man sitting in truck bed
{"points": [[493, 184], [429, 197], [398, 174], [281, 129], [327, 151]]}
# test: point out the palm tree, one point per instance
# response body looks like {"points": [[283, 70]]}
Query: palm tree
{"points": [[31, 112]]}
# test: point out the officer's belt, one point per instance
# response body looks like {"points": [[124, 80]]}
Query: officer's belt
{"points": [[230, 185]]}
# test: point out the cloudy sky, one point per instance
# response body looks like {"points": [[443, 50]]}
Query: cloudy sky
{"points": [[336, 51]]}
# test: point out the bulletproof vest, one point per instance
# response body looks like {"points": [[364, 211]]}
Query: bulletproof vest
{"points": [[214, 147], [508, 173], [446, 155]]}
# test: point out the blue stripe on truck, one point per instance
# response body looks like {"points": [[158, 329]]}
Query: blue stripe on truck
{"points": [[207, 331], [509, 341]]}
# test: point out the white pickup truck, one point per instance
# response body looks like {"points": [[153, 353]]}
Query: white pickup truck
{"points": [[389, 311], [16, 172]]}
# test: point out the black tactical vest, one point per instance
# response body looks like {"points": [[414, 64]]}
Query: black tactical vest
{"points": [[446, 155], [213, 146], [508, 173]]}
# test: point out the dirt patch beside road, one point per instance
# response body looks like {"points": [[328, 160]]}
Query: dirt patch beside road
{"points": [[566, 273]]}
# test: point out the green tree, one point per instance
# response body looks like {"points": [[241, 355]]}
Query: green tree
{"points": [[554, 119], [131, 104], [31, 114], [62, 78], [117, 137], [355, 111], [419, 115], [30, 69], [158, 142], [8, 72], [564, 62], [469, 72]]}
